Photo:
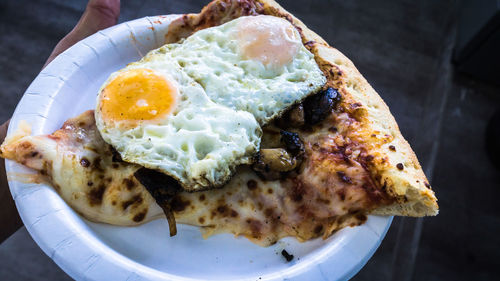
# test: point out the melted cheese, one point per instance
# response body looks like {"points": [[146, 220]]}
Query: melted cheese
{"points": [[333, 190]]}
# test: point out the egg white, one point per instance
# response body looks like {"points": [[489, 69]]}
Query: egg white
{"points": [[213, 58], [224, 99]]}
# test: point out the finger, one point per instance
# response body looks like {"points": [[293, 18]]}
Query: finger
{"points": [[98, 15], [9, 218], [3, 130]]}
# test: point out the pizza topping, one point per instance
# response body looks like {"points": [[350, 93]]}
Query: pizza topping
{"points": [[392, 147], [292, 143], [163, 189], [400, 166], [295, 116], [317, 107], [275, 163], [276, 159]]}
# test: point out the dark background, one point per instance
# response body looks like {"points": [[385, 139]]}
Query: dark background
{"points": [[404, 49]]}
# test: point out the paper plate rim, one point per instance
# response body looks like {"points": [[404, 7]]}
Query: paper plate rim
{"points": [[83, 257]]}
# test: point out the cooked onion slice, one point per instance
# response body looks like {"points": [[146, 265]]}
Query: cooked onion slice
{"points": [[163, 189]]}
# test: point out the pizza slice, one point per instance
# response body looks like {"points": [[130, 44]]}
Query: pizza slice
{"points": [[372, 139], [323, 165]]}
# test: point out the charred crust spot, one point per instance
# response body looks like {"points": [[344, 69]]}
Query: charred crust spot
{"points": [[255, 228], [270, 190], [341, 194], [95, 195], [384, 187], [89, 183], [233, 213], [343, 177], [333, 129], [346, 159], [140, 216], [201, 220], [392, 147], [309, 43], [356, 105], [297, 191], [26, 146], [361, 217], [427, 185], [268, 212], [202, 197], [252, 184], [323, 201], [97, 163], [400, 166], [260, 206], [34, 154], [318, 229], [85, 162], [129, 183], [137, 199], [223, 210], [178, 204]]}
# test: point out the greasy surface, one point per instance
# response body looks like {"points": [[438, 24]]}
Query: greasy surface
{"points": [[383, 43]]}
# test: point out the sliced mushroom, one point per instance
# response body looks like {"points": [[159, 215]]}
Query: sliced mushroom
{"points": [[296, 116], [275, 163], [271, 137], [293, 118], [278, 159], [320, 105], [292, 143]]}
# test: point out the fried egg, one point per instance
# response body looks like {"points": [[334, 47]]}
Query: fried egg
{"points": [[194, 109]]}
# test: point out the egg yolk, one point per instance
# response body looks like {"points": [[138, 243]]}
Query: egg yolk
{"points": [[137, 95], [270, 40]]}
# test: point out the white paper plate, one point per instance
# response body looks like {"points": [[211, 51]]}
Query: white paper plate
{"points": [[90, 251]]}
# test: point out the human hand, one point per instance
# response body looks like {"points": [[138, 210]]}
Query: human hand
{"points": [[98, 15]]}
